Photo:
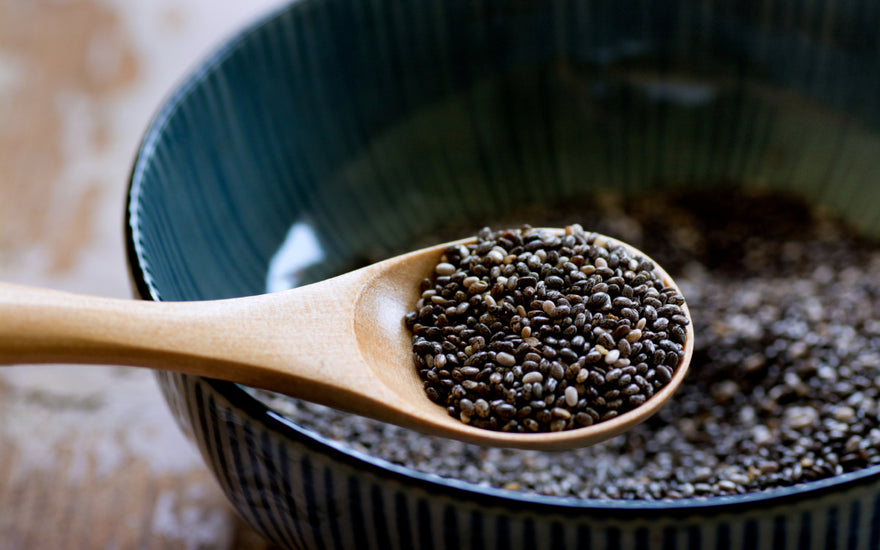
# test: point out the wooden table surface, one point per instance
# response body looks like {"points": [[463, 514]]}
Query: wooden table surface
{"points": [[89, 456]]}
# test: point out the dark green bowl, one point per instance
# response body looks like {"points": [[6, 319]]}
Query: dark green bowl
{"points": [[368, 125]]}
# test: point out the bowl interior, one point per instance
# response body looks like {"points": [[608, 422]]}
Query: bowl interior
{"points": [[335, 133], [364, 135]]}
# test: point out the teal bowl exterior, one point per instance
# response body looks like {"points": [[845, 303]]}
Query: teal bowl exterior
{"points": [[373, 123]]}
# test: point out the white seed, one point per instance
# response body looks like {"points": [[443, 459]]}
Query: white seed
{"points": [[571, 394], [444, 269], [634, 336], [844, 414], [612, 356]]}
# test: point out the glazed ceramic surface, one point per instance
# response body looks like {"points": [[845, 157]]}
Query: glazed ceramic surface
{"points": [[363, 127]]}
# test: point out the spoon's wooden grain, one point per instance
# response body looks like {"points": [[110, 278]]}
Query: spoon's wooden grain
{"points": [[340, 342]]}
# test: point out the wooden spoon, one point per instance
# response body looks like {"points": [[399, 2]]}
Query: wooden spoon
{"points": [[340, 342]]}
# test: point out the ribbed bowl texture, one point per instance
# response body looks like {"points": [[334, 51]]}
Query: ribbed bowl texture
{"points": [[369, 124]]}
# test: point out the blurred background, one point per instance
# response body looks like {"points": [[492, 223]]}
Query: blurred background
{"points": [[90, 457]]}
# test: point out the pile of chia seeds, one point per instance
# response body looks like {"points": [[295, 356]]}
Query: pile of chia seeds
{"points": [[530, 331], [785, 380]]}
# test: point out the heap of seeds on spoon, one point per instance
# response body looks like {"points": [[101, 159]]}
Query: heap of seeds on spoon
{"points": [[528, 330]]}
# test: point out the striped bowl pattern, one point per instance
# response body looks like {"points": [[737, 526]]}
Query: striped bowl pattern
{"points": [[374, 122]]}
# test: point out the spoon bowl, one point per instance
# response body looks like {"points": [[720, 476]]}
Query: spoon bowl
{"points": [[340, 342]]}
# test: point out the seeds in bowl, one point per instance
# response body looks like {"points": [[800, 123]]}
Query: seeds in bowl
{"points": [[528, 330], [784, 384]]}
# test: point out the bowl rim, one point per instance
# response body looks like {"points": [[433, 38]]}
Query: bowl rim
{"points": [[260, 412]]}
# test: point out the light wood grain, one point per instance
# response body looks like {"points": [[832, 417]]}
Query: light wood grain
{"points": [[79, 503]]}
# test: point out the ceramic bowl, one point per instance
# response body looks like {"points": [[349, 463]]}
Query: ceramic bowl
{"points": [[366, 125]]}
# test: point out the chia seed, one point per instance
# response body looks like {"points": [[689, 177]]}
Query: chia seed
{"points": [[554, 293], [783, 388]]}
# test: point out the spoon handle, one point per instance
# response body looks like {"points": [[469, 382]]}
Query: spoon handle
{"points": [[287, 342], [49, 326]]}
